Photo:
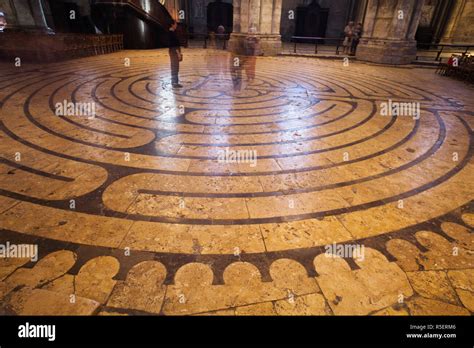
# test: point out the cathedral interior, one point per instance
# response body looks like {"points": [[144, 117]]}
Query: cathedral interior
{"points": [[237, 158]]}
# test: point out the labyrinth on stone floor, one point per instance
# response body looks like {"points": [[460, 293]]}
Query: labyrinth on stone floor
{"points": [[144, 175]]}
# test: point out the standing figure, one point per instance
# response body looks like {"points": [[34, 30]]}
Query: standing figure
{"points": [[252, 49], [356, 38], [221, 37], [211, 41], [348, 35], [175, 55]]}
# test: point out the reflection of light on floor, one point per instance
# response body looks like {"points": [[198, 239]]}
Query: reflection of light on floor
{"points": [[220, 83], [166, 101]]}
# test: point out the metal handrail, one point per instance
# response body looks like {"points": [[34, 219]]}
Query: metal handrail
{"points": [[316, 39], [441, 47], [206, 37]]}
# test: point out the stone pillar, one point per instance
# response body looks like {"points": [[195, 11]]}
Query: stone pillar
{"points": [[254, 14], [360, 11], [25, 15], [257, 18], [460, 28], [236, 16], [389, 31], [276, 17], [440, 19]]}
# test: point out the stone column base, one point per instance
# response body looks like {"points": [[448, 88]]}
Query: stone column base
{"points": [[386, 51], [270, 44]]}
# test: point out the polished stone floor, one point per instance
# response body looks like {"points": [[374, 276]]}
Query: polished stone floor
{"points": [[223, 197]]}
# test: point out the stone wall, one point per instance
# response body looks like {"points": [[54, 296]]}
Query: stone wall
{"points": [[287, 24], [389, 31], [427, 12], [7, 8], [198, 15], [460, 28], [17, 13], [256, 20], [24, 15], [338, 16], [339, 11]]}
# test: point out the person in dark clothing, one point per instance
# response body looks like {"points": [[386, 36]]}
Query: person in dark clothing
{"points": [[356, 38], [235, 64], [175, 55]]}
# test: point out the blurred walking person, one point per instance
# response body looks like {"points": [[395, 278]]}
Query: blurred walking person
{"points": [[356, 38], [221, 37], [175, 55], [252, 50]]}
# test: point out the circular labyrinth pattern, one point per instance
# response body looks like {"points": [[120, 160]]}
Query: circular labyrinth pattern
{"points": [[170, 171]]}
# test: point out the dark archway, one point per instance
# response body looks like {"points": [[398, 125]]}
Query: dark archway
{"points": [[311, 20], [65, 22], [220, 13]]}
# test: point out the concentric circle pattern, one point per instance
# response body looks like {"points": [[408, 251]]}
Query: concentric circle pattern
{"points": [[261, 161]]}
